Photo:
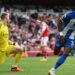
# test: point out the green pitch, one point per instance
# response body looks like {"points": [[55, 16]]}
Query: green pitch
{"points": [[33, 66]]}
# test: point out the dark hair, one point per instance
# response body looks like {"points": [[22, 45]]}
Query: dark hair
{"points": [[3, 16], [34, 15]]}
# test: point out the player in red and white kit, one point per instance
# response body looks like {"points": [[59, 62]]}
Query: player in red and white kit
{"points": [[44, 33]]}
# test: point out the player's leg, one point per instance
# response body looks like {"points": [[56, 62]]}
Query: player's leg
{"points": [[62, 58], [44, 53], [44, 48], [60, 61], [2, 57], [18, 53], [57, 47]]}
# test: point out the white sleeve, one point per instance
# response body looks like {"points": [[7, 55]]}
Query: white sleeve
{"points": [[43, 27]]}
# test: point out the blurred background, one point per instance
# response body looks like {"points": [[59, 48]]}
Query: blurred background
{"points": [[24, 31]]}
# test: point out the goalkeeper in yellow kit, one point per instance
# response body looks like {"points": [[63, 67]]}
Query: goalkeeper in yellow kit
{"points": [[7, 47]]}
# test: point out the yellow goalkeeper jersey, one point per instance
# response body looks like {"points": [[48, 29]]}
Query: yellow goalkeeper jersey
{"points": [[4, 35]]}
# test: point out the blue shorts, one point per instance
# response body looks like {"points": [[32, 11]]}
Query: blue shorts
{"points": [[68, 42], [57, 43]]}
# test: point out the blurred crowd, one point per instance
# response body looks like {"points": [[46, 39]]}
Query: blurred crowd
{"points": [[25, 31]]}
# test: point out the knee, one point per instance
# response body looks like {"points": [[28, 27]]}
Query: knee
{"points": [[66, 54], [57, 51], [19, 50], [43, 48]]}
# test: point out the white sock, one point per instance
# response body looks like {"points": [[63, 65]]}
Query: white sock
{"points": [[52, 69]]}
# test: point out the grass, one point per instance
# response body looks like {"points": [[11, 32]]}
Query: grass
{"points": [[33, 66]]}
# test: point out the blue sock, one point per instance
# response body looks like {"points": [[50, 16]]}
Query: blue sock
{"points": [[60, 61]]}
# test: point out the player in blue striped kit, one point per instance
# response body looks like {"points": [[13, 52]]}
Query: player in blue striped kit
{"points": [[64, 39]]}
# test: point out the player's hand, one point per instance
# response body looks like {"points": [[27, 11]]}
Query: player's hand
{"points": [[18, 46], [11, 43]]}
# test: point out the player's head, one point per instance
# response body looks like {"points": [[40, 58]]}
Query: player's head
{"points": [[5, 17], [34, 16]]}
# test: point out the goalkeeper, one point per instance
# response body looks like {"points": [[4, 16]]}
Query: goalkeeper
{"points": [[7, 47]]}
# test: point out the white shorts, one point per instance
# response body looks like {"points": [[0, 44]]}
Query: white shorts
{"points": [[44, 41]]}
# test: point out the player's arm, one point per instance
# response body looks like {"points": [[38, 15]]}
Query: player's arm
{"points": [[62, 39], [60, 21]]}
